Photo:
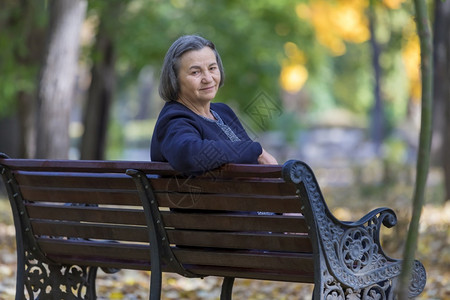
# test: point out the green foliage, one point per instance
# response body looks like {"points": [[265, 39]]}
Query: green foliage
{"points": [[116, 140], [351, 91], [20, 49], [249, 36]]}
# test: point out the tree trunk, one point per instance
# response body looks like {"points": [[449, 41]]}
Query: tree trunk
{"points": [[99, 99], [423, 156], [102, 88], [377, 114], [441, 89], [24, 20], [27, 127], [58, 76]]}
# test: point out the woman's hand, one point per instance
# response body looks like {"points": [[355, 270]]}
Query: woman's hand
{"points": [[266, 158]]}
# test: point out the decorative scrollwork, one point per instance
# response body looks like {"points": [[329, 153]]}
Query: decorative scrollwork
{"points": [[377, 291], [352, 251], [333, 290], [418, 279], [293, 171], [357, 249], [334, 294], [56, 282]]}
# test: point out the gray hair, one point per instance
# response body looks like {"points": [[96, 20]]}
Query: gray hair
{"points": [[168, 84]]}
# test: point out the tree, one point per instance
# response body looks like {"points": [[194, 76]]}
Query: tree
{"points": [[423, 156], [377, 112], [441, 90], [57, 78], [23, 30], [102, 88]]}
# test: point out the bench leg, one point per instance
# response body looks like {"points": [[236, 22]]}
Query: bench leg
{"points": [[47, 281], [227, 288], [155, 284], [91, 289]]}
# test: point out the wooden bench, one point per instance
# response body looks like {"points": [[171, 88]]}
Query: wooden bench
{"points": [[240, 221]]}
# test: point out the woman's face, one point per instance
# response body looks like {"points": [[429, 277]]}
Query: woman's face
{"points": [[198, 75]]}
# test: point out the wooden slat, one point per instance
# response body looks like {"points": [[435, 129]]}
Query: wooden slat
{"points": [[81, 195], [101, 249], [216, 186], [161, 168], [277, 204], [95, 166], [246, 170], [257, 266], [233, 222], [98, 261], [79, 230], [231, 240], [86, 214], [246, 259], [72, 180], [262, 274], [269, 242]]}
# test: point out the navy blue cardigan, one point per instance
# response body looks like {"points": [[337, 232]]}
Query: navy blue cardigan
{"points": [[193, 145]]}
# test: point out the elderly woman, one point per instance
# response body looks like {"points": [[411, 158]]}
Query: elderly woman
{"points": [[193, 134]]}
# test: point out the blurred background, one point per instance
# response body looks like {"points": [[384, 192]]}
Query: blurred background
{"points": [[335, 83]]}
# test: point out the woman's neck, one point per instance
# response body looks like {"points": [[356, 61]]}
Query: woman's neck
{"points": [[202, 109]]}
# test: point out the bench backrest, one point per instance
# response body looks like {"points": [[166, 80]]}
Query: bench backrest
{"points": [[240, 221]]}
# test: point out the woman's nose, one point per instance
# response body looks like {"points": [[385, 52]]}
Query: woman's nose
{"points": [[207, 77]]}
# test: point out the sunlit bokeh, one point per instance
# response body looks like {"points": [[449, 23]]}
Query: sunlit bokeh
{"points": [[393, 4], [293, 72], [411, 60], [337, 22]]}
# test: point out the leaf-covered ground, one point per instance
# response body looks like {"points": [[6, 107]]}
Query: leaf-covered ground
{"points": [[433, 251]]}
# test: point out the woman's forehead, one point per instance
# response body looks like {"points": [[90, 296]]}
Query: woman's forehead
{"points": [[204, 56]]}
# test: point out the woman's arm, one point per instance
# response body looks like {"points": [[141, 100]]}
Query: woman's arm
{"points": [[181, 144]]}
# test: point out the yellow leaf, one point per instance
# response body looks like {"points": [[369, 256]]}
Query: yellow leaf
{"points": [[116, 295]]}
